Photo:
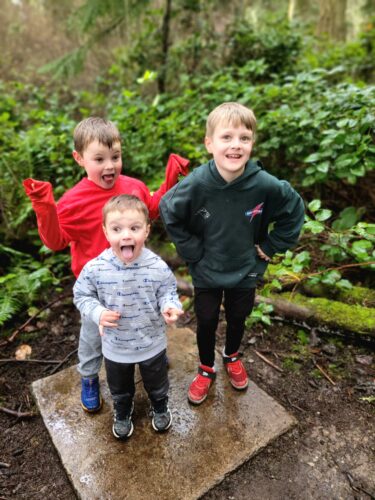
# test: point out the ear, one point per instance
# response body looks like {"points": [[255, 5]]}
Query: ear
{"points": [[148, 230], [78, 158], [208, 144], [105, 231]]}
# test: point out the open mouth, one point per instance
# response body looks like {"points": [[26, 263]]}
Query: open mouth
{"points": [[234, 157], [127, 251], [108, 178]]}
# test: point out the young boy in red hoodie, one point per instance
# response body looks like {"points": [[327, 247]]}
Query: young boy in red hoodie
{"points": [[76, 219]]}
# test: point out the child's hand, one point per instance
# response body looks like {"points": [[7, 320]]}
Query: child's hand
{"points": [[108, 318], [261, 254], [171, 315]]}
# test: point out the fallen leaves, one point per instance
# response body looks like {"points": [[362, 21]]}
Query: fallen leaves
{"points": [[23, 352]]}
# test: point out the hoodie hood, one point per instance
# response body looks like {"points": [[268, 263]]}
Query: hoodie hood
{"points": [[210, 178]]}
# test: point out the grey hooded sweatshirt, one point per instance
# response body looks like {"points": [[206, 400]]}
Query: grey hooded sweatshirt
{"points": [[139, 291]]}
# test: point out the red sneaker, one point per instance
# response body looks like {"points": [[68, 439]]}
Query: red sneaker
{"points": [[236, 371], [201, 384]]}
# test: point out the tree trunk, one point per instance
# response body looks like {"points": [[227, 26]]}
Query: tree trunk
{"points": [[332, 19], [165, 29], [291, 10]]}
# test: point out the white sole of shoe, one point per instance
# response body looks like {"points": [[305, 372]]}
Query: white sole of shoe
{"points": [[162, 430], [123, 437]]}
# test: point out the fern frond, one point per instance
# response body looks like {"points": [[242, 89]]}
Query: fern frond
{"points": [[9, 306]]}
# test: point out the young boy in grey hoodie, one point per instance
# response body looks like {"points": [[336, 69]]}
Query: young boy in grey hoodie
{"points": [[130, 293]]}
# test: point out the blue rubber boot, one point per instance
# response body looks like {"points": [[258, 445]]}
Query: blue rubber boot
{"points": [[91, 399]]}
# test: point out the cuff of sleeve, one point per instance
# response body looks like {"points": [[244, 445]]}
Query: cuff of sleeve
{"points": [[267, 249], [180, 163], [96, 313], [38, 190]]}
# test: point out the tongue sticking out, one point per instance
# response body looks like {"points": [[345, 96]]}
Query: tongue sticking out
{"points": [[108, 178], [127, 252]]}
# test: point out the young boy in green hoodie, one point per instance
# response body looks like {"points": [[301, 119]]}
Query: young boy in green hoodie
{"points": [[219, 218]]}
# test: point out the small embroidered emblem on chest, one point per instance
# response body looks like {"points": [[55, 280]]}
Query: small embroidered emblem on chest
{"points": [[203, 212], [257, 210]]}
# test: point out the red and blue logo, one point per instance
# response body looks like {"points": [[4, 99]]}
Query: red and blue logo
{"points": [[257, 210]]}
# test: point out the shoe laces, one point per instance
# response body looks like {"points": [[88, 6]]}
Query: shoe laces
{"points": [[202, 381], [90, 386], [236, 367], [160, 406]]}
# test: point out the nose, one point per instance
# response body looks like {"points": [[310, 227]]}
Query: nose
{"points": [[125, 234], [235, 143], [109, 165]]}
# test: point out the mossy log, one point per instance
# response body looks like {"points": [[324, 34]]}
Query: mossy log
{"points": [[356, 295], [354, 318]]}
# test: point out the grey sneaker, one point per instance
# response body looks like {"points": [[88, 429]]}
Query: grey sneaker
{"points": [[122, 427], [161, 416]]}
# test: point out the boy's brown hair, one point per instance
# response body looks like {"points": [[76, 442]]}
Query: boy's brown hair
{"points": [[231, 113], [125, 202], [95, 129]]}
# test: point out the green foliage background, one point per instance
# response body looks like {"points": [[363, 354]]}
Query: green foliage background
{"points": [[315, 112]]}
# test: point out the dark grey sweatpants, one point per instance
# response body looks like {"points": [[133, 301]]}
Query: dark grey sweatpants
{"points": [[120, 378]]}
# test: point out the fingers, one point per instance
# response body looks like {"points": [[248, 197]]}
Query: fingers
{"points": [[171, 315], [261, 254]]}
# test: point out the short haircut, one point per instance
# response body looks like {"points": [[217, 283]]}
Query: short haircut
{"points": [[231, 113], [95, 129], [124, 202]]}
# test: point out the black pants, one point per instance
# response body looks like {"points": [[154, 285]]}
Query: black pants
{"points": [[120, 377], [238, 304]]}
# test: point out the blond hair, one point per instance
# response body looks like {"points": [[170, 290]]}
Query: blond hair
{"points": [[95, 129], [231, 113], [125, 202]]}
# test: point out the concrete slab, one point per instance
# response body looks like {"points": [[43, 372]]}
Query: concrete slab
{"points": [[203, 445]]}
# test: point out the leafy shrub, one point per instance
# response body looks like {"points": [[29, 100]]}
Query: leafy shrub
{"points": [[277, 44]]}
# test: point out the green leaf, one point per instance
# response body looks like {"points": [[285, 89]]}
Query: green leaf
{"points": [[362, 245], [323, 167], [323, 215], [348, 217], [314, 226], [303, 337], [314, 205], [313, 158], [344, 284]]}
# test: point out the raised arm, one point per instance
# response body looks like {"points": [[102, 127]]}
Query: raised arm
{"points": [[176, 166], [49, 228]]}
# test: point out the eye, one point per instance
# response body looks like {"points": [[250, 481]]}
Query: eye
{"points": [[226, 137], [116, 157], [246, 138]]}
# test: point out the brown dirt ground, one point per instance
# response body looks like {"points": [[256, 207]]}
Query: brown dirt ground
{"points": [[328, 455]]}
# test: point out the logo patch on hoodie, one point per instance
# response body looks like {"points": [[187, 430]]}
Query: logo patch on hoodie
{"points": [[203, 212], [257, 210]]}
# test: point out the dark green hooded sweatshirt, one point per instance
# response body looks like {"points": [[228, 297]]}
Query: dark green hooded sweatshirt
{"points": [[215, 224]]}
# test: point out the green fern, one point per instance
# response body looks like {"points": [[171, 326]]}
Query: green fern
{"points": [[9, 306]]}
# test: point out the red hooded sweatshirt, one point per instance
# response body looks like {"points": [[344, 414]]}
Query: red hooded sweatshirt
{"points": [[76, 219]]}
